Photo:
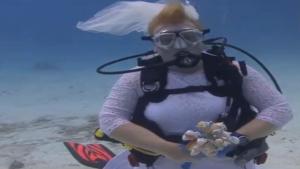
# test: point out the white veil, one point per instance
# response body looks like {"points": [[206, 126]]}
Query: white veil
{"points": [[124, 17]]}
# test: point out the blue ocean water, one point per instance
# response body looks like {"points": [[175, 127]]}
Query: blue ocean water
{"points": [[47, 65]]}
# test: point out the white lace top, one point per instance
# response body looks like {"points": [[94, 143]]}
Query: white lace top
{"points": [[182, 112]]}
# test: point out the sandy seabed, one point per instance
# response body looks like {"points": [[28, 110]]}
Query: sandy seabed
{"points": [[39, 144]]}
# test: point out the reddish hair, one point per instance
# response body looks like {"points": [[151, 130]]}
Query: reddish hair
{"points": [[172, 14]]}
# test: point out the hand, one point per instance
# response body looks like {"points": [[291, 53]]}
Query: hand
{"points": [[226, 150], [242, 140], [177, 152], [212, 139]]}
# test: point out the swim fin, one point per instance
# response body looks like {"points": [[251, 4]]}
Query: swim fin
{"points": [[91, 155]]}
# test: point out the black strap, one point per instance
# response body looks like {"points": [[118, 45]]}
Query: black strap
{"points": [[188, 89], [243, 68]]}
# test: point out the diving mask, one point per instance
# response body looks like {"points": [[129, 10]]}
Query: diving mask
{"points": [[167, 39]]}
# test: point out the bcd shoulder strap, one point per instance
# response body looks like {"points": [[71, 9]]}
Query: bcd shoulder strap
{"points": [[153, 81]]}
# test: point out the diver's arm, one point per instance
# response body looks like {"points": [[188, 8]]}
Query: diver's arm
{"points": [[257, 129], [117, 109], [133, 134], [274, 110], [138, 136], [119, 104]]}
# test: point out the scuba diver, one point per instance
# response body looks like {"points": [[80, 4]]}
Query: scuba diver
{"points": [[184, 80]]}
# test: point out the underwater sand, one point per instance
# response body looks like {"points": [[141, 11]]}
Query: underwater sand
{"points": [[38, 144]]}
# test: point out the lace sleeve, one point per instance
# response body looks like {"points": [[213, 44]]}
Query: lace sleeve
{"points": [[272, 106], [120, 103]]}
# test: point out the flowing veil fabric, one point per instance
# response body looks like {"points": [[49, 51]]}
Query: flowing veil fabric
{"points": [[124, 17]]}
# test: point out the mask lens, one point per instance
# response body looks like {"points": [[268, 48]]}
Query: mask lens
{"points": [[165, 39], [191, 36]]}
